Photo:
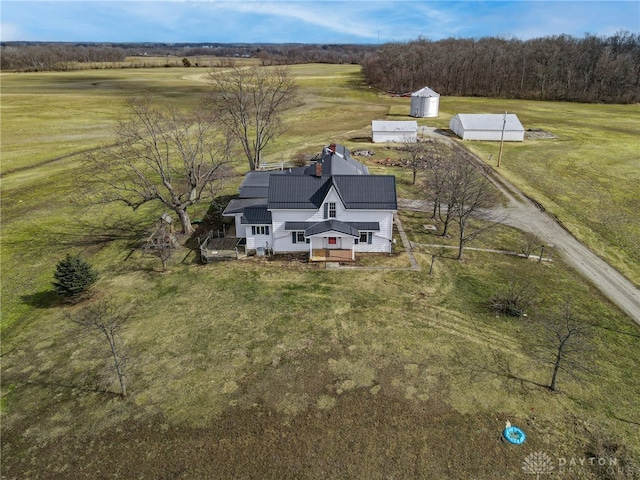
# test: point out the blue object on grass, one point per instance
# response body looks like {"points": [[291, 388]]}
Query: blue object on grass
{"points": [[514, 435]]}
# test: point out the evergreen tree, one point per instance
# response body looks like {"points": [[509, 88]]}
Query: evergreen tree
{"points": [[73, 276]]}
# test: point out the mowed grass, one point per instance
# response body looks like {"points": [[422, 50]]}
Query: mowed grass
{"points": [[278, 369], [588, 176]]}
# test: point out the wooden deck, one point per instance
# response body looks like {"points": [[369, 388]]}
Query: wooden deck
{"points": [[216, 249], [330, 255]]}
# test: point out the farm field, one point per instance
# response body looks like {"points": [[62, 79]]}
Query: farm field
{"points": [[275, 369]]}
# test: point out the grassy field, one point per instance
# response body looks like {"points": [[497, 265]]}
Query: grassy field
{"points": [[275, 368], [588, 176]]}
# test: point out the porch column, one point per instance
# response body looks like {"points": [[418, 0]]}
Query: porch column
{"points": [[310, 248], [353, 249]]}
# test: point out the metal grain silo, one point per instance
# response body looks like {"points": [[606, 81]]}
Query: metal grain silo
{"points": [[425, 103]]}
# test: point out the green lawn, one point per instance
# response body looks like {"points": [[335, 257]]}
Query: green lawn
{"points": [[279, 369]]}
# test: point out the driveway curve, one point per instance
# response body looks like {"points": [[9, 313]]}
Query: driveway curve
{"points": [[523, 214]]}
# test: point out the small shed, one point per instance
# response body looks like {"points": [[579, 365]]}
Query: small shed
{"points": [[488, 127], [394, 131], [425, 103]]}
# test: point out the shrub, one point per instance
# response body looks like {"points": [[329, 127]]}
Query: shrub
{"points": [[515, 300], [73, 277], [300, 159]]}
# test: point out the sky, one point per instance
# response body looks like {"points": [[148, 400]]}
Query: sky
{"points": [[309, 21]]}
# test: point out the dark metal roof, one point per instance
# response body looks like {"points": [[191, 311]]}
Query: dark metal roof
{"points": [[256, 183], [336, 160], [365, 226], [372, 192], [361, 226], [237, 205], [299, 192], [254, 192], [332, 225], [300, 188], [256, 216]]}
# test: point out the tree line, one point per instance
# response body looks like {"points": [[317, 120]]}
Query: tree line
{"points": [[56, 56], [591, 69], [59, 56]]}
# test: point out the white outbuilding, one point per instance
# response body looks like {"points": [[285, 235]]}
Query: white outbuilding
{"points": [[425, 103], [394, 131], [488, 127]]}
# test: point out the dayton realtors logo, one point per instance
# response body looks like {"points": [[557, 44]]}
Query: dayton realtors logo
{"points": [[539, 463]]}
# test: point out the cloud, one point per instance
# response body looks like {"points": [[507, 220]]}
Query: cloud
{"points": [[343, 18], [308, 21]]}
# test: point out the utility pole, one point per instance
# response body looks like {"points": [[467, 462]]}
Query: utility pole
{"points": [[504, 124]]}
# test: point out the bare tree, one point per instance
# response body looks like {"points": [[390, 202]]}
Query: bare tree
{"points": [[250, 102], [162, 242], [416, 156], [161, 155], [565, 343], [458, 189], [529, 243], [588, 69], [470, 191], [437, 166], [108, 319]]}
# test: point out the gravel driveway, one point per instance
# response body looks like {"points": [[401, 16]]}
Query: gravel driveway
{"points": [[525, 215]]}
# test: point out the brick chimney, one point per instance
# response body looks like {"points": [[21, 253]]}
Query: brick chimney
{"points": [[332, 147], [318, 169]]}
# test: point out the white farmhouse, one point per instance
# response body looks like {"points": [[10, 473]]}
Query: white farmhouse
{"points": [[394, 131], [425, 103], [485, 126], [331, 209]]}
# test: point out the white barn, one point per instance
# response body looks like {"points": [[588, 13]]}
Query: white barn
{"points": [[485, 126], [425, 103], [394, 131]]}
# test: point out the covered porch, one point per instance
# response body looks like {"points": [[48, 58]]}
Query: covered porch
{"points": [[331, 241], [331, 255]]}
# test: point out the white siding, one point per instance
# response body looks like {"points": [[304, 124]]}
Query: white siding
{"points": [[394, 137], [487, 127], [394, 131], [255, 241], [240, 229], [381, 239]]}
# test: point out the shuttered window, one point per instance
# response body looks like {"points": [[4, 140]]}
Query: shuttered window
{"points": [[332, 210], [298, 237], [365, 237]]}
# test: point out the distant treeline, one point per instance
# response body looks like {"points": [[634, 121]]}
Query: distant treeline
{"points": [[589, 69], [41, 56], [563, 68], [55, 56]]}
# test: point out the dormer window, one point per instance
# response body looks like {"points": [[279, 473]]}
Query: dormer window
{"points": [[332, 210]]}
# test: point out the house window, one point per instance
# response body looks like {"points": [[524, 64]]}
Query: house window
{"points": [[333, 240], [365, 237], [298, 237], [332, 210], [260, 230]]}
